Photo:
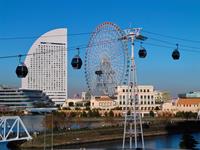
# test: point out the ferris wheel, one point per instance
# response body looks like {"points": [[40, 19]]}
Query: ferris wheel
{"points": [[106, 60]]}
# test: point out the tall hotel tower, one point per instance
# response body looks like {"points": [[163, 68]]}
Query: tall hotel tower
{"points": [[46, 62]]}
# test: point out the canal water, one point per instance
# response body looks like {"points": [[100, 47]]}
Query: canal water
{"points": [[164, 142], [36, 123], [169, 142]]}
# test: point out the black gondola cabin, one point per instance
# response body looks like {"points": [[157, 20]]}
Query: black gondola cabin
{"points": [[175, 54], [21, 71], [142, 53], [76, 62]]}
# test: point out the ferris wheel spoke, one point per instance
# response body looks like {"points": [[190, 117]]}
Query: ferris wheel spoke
{"points": [[107, 54]]}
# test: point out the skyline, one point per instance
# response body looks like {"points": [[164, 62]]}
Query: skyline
{"points": [[174, 18]]}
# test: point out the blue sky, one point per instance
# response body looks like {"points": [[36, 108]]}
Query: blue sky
{"points": [[179, 18]]}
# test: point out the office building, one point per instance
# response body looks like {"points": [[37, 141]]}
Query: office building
{"points": [[47, 65]]}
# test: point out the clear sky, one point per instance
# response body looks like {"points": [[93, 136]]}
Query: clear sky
{"points": [[179, 18]]}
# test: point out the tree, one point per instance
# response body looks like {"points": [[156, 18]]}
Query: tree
{"points": [[105, 114], [71, 104], [83, 114], [96, 113], [186, 115], [72, 114], [151, 114], [117, 108], [111, 114], [119, 115], [90, 114], [59, 120], [87, 104], [77, 108], [66, 108], [157, 108], [187, 142]]}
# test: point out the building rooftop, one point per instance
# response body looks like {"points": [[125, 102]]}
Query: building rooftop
{"points": [[188, 101], [104, 98]]}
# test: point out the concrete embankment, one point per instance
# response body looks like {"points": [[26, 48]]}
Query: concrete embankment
{"points": [[151, 128]]}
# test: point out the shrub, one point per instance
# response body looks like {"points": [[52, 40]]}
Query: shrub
{"points": [[111, 114], [151, 114]]}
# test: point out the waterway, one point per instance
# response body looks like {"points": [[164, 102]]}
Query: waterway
{"points": [[169, 142], [36, 123]]}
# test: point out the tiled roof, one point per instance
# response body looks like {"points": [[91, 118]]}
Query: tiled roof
{"points": [[104, 98], [188, 101]]}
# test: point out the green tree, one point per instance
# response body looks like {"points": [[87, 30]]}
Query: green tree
{"points": [[179, 114], [151, 114], [119, 115], [117, 108], [56, 120], [111, 114], [77, 108], [187, 142], [186, 115], [96, 113], [72, 114], [83, 114], [90, 114], [71, 104], [105, 114], [66, 108], [87, 104]]}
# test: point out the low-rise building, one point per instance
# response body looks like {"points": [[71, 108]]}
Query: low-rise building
{"points": [[169, 107], [182, 104], [103, 103], [77, 102], [146, 97], [74, 103], [162, 97], [188, 104], [190, 95]]}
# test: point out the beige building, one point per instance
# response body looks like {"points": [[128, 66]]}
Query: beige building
{"points": [[74, 103], [183, 104], [103, 102], [146, 97], [162, 97]]}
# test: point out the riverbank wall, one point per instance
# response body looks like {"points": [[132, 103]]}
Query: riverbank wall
{"points": [[74, 137]]}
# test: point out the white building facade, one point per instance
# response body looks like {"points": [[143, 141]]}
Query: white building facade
{"points": [[47, 65], [146, 97]]}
